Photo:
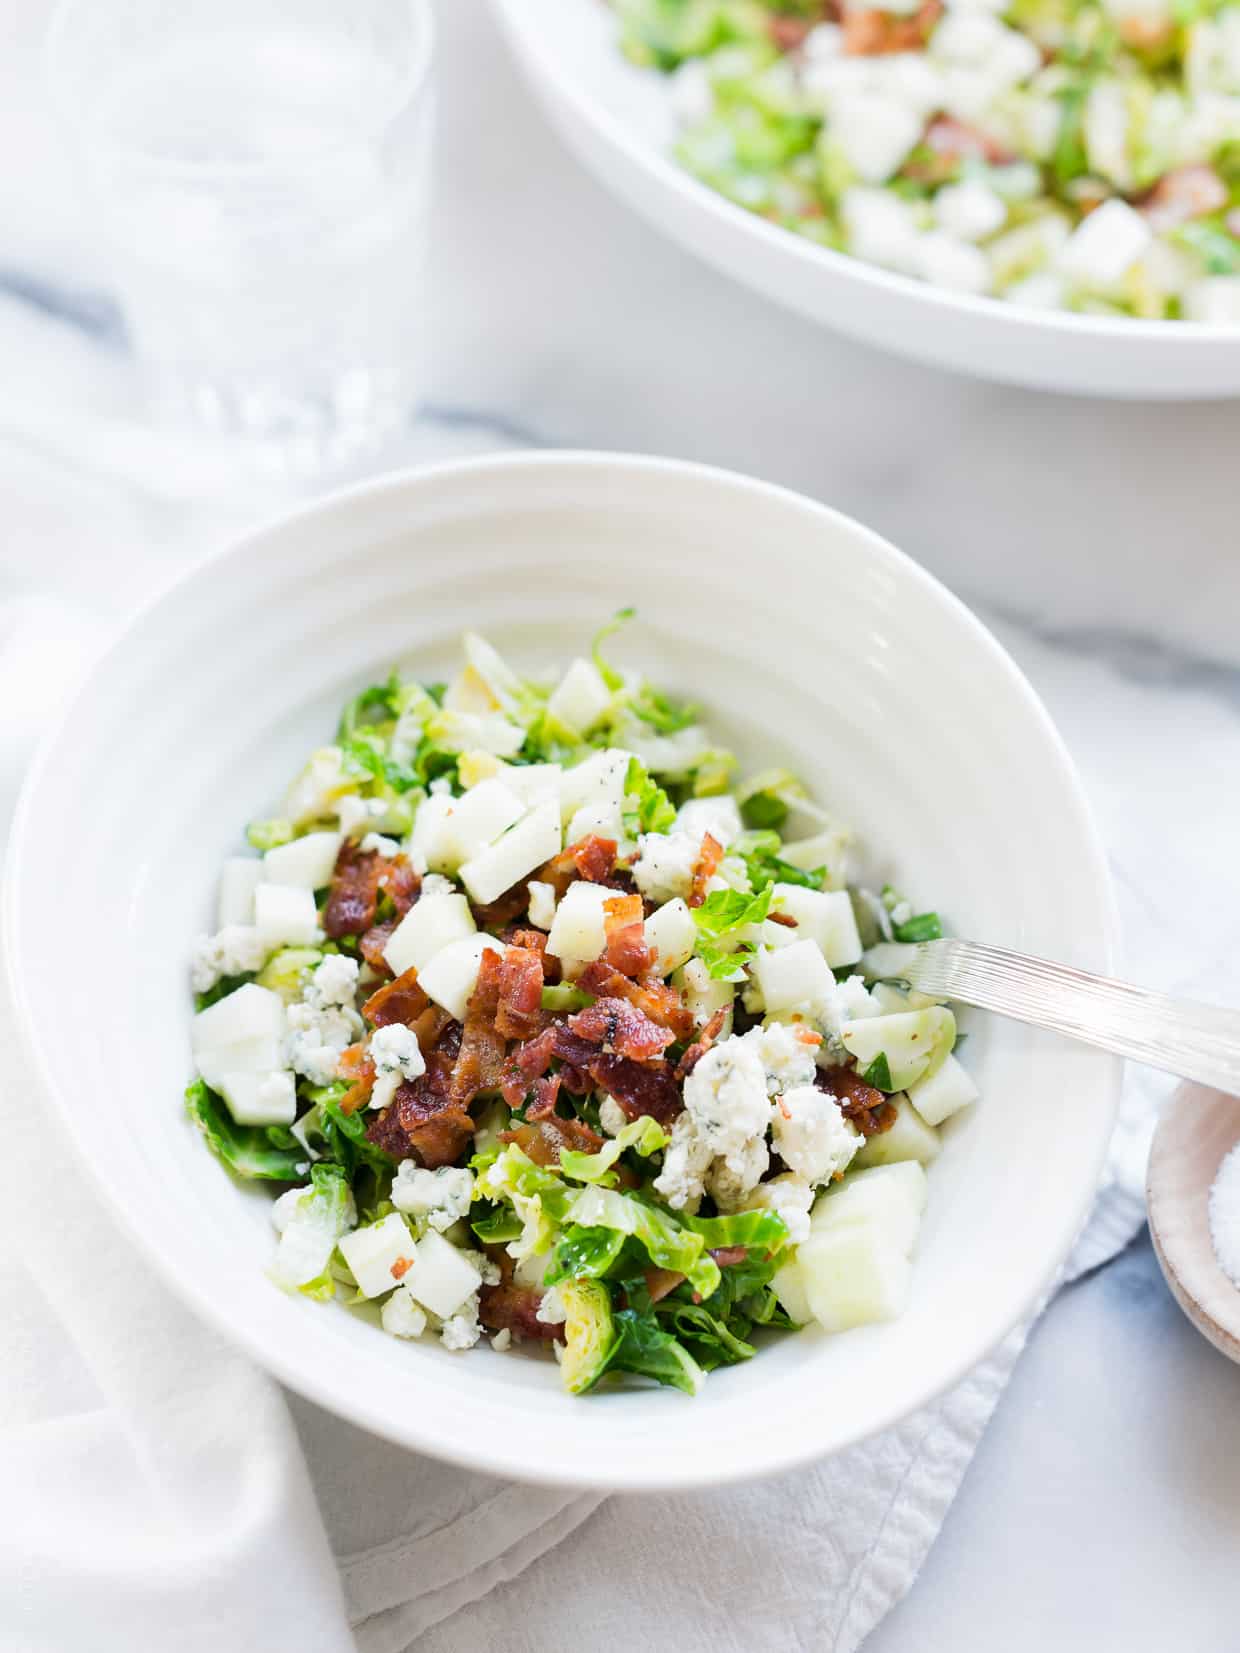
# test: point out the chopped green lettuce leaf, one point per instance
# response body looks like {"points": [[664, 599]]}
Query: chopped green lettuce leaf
{"points": [[249, 1150], [645, 1136], [721, 918], [643, 1347]]}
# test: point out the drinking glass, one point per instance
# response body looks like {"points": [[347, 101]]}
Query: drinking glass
{"points": [[260, 170]]}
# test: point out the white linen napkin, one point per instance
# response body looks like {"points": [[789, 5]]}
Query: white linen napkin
{"points": [[167, 1497]]}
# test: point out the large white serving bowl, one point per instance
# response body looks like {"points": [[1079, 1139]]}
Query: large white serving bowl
{"points": [[807, 639], [616, 118]]}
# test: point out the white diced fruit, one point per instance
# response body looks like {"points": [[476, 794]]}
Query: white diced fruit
{"points": [[875, 134], [1105, 245], [718, 816], [260, 1098], [1214, 300], [788, 1285], [909, 1138], [670, 935], [946, 261], [252, 1012], [792, 978], [943, 1092], [852, 1276], [889, 1199], [533, 783], [478, 818], [970, 210], [542, 903], [373, 1252], [430, 925], [238, 881], [823, 916], [579, 933], [285, 916], [580, 698], [258, 1055], [451, 976], [430, 840], [597, 783], [441, 1277], [519, 852], [704, 995], [307, 862], [915, 1043]]}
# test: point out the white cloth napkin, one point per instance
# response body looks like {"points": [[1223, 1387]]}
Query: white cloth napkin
{"points": [[167, 1497]]}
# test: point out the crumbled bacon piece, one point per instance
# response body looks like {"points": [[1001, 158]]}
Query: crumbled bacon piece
{"points": [[702, 1043], [786, 919], [519, 1012], [373, 941], [1188, 192], [659, 1281], [620, 1028], [947, 144], [709, 857], [639, 1087], [533, 941], [399, 882], [787, 33], [728, 1256], [875, 33], [624, 918], [592, 858], [438, 1129], [357, 1067], [401, 1000], [656, 999], [431, 1026], [546, 1091], [496, 914], [867, 1108], [481, 1062], [541, 1140], [513, 1308], [354, 892]]}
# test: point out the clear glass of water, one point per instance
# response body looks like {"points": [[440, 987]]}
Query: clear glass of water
{"points": [[261, 172]]}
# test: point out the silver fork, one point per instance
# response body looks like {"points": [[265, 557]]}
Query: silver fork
{"points": [[1194, 1041]]}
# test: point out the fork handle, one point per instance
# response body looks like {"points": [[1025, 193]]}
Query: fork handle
{"points": [[1193, 1041]]}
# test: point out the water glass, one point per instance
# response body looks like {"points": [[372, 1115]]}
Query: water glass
{"points": [[260, 170]]}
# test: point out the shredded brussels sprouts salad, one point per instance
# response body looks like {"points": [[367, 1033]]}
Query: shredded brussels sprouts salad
{"points": [[1063, 154], [553, 1030]]}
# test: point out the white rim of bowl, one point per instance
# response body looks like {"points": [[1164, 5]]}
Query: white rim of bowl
{"points": [[698, 196], [413, 1436]]}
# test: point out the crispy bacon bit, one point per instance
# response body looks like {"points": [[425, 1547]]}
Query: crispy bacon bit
{"points": [[1146, 34], [354, 891], [786, 919], [788, 33], [357, 1067], [949, 144], [401, 1000], [728, 1256], [659, 1281], [709, 857], [399, 882], [868, 1109], [513, 1308], [481, 1062], [572, 1048], [875, 33], [639, 1087], [534, 1057], [702, 1043], [620, 1028], [656, 999], [576, 1081], [542, 1140], [372, 943], [592, 858], [624, 919], [430, 1027], [519, 1012], [438, 1130], [533, 941], [496, 914], [1188, 192], [546, 1091]]}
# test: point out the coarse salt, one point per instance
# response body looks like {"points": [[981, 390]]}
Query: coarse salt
{"points": [[1225, 1215]]}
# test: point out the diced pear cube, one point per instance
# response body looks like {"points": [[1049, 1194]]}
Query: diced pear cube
{"points": [[452, 974], [792, 977], [238, 881], [854, 1276], [521, 851], [251, 1012], [888, 1198], [431, 840], [909, 1138], [579, 933], [943, 1092], [704, 995], [477, 818], [542, 904], [441, 1277], [373, 1252], [533, 783], [285, 916], [430, 925], [306, 862], [671, 934], [915, 1042], [824, 916], [260, 1098], [598, 782], [258, 1055], [580, 698], [788, 1284]]}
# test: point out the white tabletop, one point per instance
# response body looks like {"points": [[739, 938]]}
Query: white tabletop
{"points": [[1103, 1509]]}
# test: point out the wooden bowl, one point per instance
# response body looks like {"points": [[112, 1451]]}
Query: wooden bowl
{"points": [[1193, 1138]]}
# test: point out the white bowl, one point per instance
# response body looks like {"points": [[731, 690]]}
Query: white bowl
{"points": [[616, 118], [808, 639]]}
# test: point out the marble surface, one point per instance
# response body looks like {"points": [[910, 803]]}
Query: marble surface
{"points": [[1103, 1509]]}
